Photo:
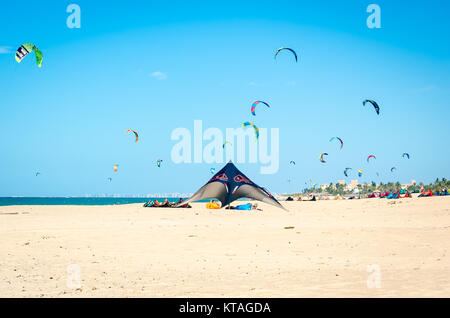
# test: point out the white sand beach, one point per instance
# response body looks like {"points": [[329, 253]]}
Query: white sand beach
{"points": [[317, 249]]}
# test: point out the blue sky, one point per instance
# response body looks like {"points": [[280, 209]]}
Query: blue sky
{"points": [[68, 119]]}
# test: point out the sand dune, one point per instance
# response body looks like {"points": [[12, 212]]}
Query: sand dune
{"points": [[317, 249]]}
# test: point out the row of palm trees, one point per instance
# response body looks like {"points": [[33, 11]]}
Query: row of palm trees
{"points": [[341, 189]]}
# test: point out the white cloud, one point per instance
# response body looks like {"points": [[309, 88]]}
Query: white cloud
{"points": [[159, 75], [5, 49], [254, 84]]}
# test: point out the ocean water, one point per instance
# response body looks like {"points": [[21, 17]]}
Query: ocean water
{"points": [[76, 201]]}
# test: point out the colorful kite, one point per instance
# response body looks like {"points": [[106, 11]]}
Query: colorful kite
{"points": [[226, 142], [248, 123], [371, 156], [286, 48], [375, 105], [135, 133], [340, 140], [254, 106], [346, 171], [321, 157], [27, 48]]}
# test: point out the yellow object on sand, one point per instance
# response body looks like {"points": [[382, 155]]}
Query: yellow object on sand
{"points": [[213, 205]]}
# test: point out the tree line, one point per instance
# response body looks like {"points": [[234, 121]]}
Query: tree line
{"points": [[341, 189]]}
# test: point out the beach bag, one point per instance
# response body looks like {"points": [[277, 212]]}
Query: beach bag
{"points": [[247, 207], [213, 205]]}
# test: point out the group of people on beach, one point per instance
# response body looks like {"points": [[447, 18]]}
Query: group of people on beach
{"points": [[166, 204], [431, 194], [391, 195], [399, 194], [215, 205], [310, 198]]}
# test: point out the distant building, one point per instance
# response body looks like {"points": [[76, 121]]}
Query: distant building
{"points": [[405, 186], [341, 182], [352, 185]]}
